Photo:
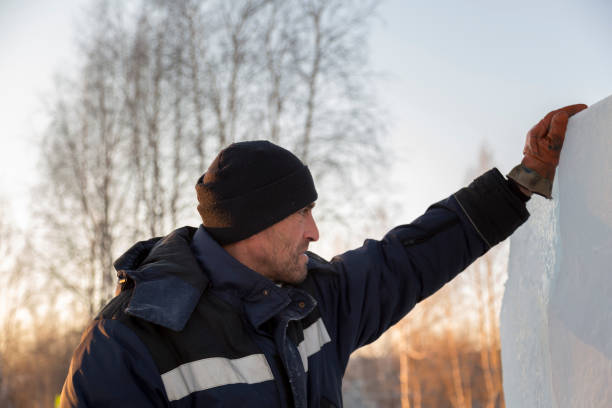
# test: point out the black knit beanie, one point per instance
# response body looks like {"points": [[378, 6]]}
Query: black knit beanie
{"points": [[249, 187]]}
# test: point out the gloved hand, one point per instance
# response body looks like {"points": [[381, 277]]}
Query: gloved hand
{"points": [[542, 150]]}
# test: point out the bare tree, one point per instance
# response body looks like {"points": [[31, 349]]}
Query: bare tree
{"points": [[410, 387], [5, 281], [84, 196], [487, 280], [488, 275], [458, 385], [35, 339], [164, 85]]}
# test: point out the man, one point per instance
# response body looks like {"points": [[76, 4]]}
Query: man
{"points": [[238, 313]]}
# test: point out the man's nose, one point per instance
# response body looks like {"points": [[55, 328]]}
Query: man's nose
{"points": [[311, 232]]}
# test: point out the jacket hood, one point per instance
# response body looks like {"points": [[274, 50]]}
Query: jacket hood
{"points": [[168, 279]]}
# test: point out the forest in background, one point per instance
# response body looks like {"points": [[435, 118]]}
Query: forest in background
{"points": [[160, 88]]}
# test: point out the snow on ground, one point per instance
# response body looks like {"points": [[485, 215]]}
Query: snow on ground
{"points": [[556, 317]]}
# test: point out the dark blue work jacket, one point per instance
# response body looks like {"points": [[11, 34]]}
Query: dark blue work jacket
{"points": [[193, 327]]}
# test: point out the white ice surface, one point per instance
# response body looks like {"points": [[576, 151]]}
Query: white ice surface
{"points": [[556, 317]]}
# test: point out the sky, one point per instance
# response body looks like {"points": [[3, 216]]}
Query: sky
{"points": [[36, 43], [452, 76]]}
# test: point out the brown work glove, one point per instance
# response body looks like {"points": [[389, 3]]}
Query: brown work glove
{"points": [[542, 150]]}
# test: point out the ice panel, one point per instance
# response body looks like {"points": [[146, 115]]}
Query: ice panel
{"points": [[556, 318]]}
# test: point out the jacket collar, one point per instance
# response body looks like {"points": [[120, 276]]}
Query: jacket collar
{"points": [[171, 273], [168, 280], [259, 296]]}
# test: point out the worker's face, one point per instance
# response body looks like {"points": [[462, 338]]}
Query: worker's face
{"points": [[283, 246]]}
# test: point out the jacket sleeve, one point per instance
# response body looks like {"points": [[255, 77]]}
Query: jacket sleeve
{"points": [[111, 367], [374, 286]]}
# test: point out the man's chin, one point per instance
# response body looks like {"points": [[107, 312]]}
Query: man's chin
{"points": [[301, 279], [298, 276]]}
